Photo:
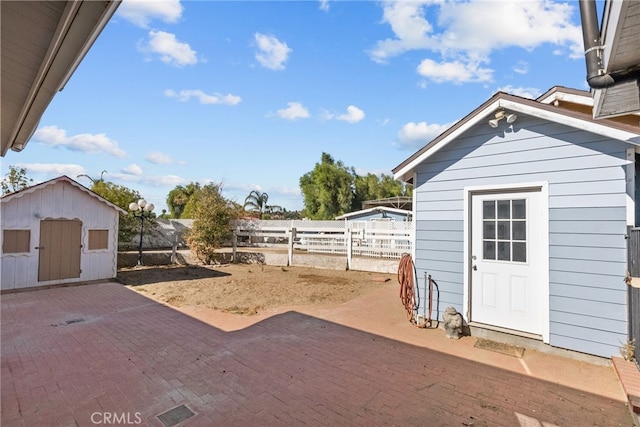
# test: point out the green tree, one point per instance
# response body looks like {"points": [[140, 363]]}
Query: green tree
{"points": [[212, 222], [328, 190], [15, 180], [121, 196], [178, 198], [372, 187], [256, 202]]}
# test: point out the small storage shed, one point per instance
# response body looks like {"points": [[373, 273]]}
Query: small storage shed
{"points": [[57, 232], [521, 212], [377, 213]]}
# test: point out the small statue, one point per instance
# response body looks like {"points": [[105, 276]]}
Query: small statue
{"points": [[452, 323]]}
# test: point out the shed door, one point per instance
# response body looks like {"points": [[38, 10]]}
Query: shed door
{"points": [[506, 288], [60, 249]]}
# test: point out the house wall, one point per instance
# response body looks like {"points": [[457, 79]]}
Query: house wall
{"points": [[587, 221], [57, 201]]}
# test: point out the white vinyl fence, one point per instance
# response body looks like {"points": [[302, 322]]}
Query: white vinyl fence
{"points": [[374, 238]]}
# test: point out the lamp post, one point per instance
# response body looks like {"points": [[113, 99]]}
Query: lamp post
{"points": [[141, 209]]}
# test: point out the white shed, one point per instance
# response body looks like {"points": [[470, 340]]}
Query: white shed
{"points": [[57, 232]]}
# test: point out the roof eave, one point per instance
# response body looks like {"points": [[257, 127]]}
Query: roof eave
{"points": [[79, 27]]}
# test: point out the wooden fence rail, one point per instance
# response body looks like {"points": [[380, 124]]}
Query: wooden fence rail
{"points": [[380, 239]]}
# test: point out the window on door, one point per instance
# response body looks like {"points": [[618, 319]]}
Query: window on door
{"points": [[504, 230]]}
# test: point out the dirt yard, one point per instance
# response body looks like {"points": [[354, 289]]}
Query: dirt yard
{"points": [[250, 288]]}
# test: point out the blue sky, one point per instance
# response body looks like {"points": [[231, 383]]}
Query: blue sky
{"points": [[251, 93]]}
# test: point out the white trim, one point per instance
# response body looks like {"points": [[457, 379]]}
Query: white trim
{"points": [[544, 243], [568, 97], [414, 214], [631, 186]]}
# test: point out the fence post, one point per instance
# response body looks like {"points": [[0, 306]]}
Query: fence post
{"points": [[235, 246], [292, 237], [174, 249], [349, 238]]}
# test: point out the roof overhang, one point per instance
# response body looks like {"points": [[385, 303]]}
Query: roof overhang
{"points": [[621, 132], [43, 43], [620, 36]]}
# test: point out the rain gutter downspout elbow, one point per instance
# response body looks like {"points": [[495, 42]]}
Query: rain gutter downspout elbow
{"points": [[596, 77]]}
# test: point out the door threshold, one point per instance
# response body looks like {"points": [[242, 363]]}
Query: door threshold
{"points": [[528, 335]]}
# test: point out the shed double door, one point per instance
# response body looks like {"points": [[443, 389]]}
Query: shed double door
{"points": [[60, 249]]}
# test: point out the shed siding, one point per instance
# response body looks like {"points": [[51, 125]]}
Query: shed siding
{"points": [[58, 201], [587, 221]]}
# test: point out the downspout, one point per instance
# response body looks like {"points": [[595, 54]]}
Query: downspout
{"points": [[593, 48], [593, 51]]}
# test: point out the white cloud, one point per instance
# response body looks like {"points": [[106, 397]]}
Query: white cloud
{"points": [[215, 98], [324, 5], [141, 12], [171, 50], [522, 67], [159, 158], [151, 180], [54, 169], [455, 72], [524, 92], [272, 53], [294, 111], [132, 169], [414, 135], [468, 32], [353, 115], [410, 27], [480, 26], [84, 142]]}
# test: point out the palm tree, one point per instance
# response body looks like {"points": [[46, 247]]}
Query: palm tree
{"points": [[256, 201]]}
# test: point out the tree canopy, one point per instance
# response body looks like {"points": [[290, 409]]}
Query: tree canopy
{"points": [[212, 221], [15, 180], [178, 199], [327, 189], [332, 189]]}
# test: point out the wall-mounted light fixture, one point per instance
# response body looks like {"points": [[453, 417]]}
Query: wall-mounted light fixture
{"points": [[511, 117]]}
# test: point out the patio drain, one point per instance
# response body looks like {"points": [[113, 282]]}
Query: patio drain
{"points": [[176, 415], [498, 347]]}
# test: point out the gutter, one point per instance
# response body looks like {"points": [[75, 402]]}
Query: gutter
{"points": [[597, 78]]}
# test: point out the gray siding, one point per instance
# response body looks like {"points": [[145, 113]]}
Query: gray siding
{"points": [[587, 221]]}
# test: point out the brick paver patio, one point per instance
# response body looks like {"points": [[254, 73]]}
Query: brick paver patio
{"points": [[102, 355]]}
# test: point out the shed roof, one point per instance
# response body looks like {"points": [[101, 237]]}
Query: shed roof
{"points": [[502, 101], [374, 209], [63, 178]]}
